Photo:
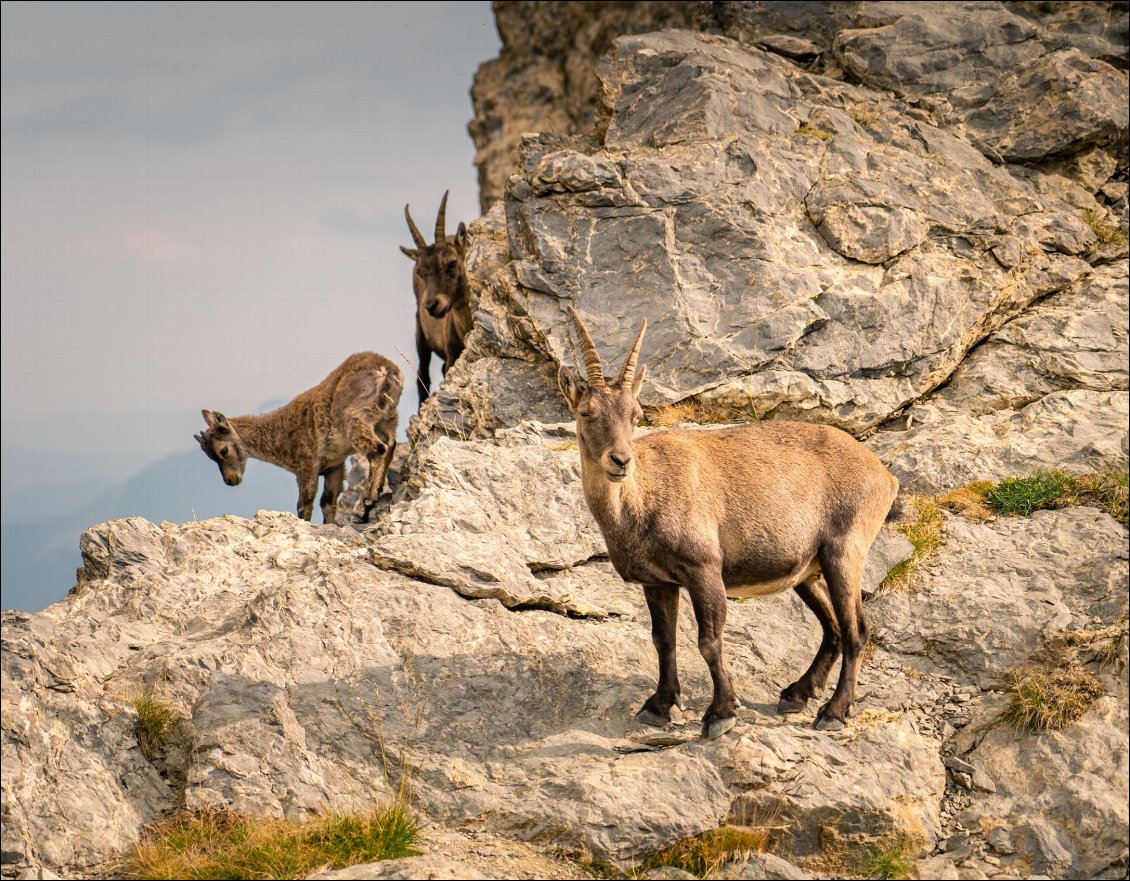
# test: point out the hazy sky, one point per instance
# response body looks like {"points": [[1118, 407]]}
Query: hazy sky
{"points": [[202, 203]]}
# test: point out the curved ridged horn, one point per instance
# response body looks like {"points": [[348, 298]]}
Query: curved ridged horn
{"points": [[441, 218], [588, 350], [417, 236], [628, 370]]}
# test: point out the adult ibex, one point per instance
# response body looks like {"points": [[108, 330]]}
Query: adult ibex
{"points": [[443, 310], [353, 410], [734, 512]]}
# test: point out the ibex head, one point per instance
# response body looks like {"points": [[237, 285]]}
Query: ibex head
{"points": [[439, 279], [606, 412], [222, 444]]}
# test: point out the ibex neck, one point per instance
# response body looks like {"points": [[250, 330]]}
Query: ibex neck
{"points": [[608, 500], [268, 437]]}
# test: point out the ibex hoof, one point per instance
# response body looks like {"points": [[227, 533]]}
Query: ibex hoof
{"points": [[827, 723], [718, 727], [650, 717], [786, 706]]}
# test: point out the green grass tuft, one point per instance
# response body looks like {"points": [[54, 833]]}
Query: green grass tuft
{"points": [[925, 532], [1023, 495], [1042, 699], [886, 861], [1106, 232], [154, 720], [220, 844], [1105, 490]]}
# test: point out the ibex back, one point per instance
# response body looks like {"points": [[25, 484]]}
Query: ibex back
{"points": [[353, 410]]}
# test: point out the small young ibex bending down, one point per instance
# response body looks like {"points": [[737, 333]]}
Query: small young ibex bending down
{"points": [[443, 309], [353, 410], [738, 512]]}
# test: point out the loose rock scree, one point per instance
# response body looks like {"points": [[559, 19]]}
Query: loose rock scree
{"points": [[735, 512], [353, 410]]}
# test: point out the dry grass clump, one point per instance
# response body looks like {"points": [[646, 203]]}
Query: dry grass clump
{"points": [[1106, 232], [702, 414], [155, 718], [1106, 490], [706, 853], [221, 844], [865, 116], [925, 532], [969, 501], [804, 129], [1044, 699]]}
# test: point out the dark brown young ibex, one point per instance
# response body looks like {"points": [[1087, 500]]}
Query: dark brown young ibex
{"points": [[443, 309], [353, 410], [736, 512]]}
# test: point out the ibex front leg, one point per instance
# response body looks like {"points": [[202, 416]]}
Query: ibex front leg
{"points": [[307, 489], [708, 593], [331, 489], [424, 373], [663, 604]]}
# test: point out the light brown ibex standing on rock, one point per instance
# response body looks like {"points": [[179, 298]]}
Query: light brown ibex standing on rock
{"points": [[734, 512], [443, 309], [353, 410]]}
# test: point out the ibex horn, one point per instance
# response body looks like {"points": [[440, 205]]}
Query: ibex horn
{"points": [[441, 219], [628, 370], [588, 350], [417, 236]]}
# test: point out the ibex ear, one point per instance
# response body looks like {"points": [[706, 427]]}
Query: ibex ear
{"points": [[410, 253], [209, 418], [219, 422], [461, 238], [570, 385], [637, 383]]}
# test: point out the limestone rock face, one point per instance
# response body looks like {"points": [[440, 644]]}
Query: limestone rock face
{"points": [[544, 79], [800, 247], [1035, 575], [1048, 390], [306, 673], [1030, 82]]}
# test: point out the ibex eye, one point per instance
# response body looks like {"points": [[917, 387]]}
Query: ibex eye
{"points": [[224, 451]]}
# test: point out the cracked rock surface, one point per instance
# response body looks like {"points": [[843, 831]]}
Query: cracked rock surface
{"points": [[905, 219]]}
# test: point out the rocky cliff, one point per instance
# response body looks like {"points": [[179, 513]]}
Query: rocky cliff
{"points": [[908, 220]]}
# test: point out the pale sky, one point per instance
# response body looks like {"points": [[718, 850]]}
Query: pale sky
{"points": [[202, 203]]}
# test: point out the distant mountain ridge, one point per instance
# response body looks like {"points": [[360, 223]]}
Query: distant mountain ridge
{"points": [[40, 556]]}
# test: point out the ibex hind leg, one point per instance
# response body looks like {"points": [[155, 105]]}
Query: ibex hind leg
{"points": [[811, 684], [663, 604], [843, 571]]}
